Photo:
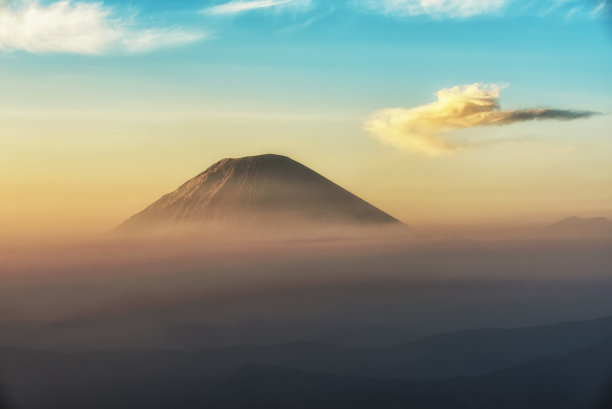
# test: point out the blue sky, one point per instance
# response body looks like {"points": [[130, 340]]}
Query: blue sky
{"points": [[359, 53], [373, 93]]}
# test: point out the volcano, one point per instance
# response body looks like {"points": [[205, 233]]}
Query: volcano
{"points": [[268, 189]]}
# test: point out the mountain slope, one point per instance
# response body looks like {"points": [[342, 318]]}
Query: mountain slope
{"points": [[258, 189]]}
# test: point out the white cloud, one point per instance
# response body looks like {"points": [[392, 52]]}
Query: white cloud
{"points": [[600, 8], [78, 27], [150, 39], [435, 8], [239, 6], [424, 129], [572, 9], [463, 9]]}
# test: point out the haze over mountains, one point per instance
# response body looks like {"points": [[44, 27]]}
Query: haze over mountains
{"points": [[268, 190]]}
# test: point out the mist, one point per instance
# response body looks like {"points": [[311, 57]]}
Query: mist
{"points": [[346, 286]]}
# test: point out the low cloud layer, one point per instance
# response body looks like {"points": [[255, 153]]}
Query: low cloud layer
{"points": [[79, 27], [424, 129]]}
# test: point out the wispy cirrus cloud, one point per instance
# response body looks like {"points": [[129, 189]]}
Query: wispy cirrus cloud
{"points": [[239, 6], [425, 129], [435, 8], [80, 27], [464, 9], [573, 9]]}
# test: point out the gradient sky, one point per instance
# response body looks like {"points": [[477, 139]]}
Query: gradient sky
{"points": [[105, 106]]}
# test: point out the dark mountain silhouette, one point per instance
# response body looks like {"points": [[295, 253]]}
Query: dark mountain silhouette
{"points": [[266, 189], [419, 373], [258, 386], [475, 352], [577, 380], [457, 353], [581, 227]]}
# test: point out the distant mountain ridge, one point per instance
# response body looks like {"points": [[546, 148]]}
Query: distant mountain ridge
{"points": [[559, 366], [581, 226], [258, 189]]}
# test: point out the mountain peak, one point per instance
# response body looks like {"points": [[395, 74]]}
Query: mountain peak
{"points": [[267, 158], [267, 189]]}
